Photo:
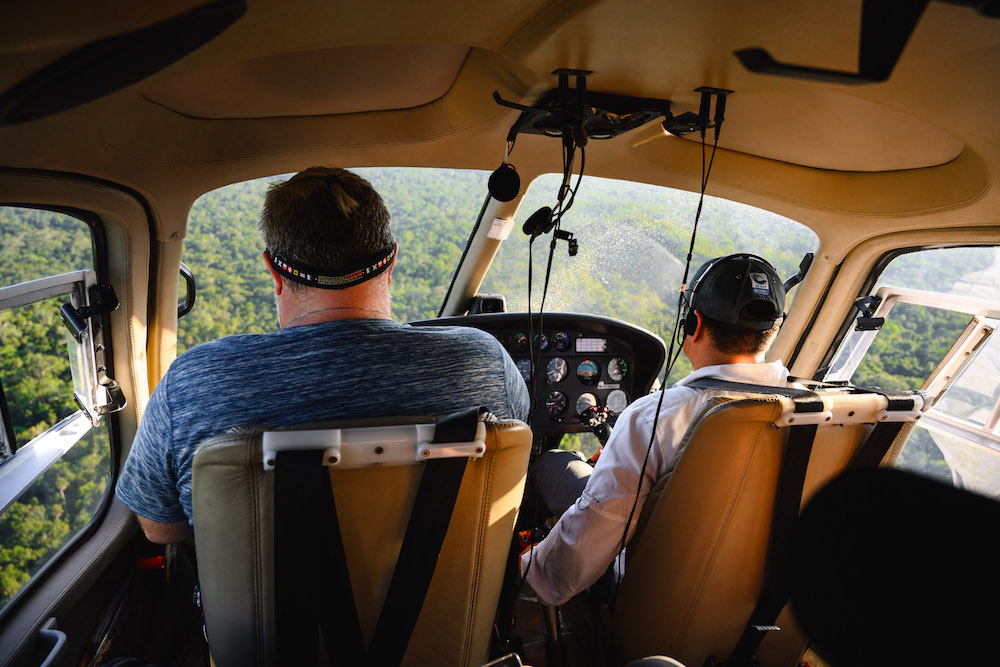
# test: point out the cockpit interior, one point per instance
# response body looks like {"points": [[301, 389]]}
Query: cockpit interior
{"points": [[555, 172]]}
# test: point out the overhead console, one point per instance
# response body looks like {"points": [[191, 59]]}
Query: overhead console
{"points": [[581, 361]]}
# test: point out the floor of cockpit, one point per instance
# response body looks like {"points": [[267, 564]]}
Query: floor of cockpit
{"points": [[575, 642]]}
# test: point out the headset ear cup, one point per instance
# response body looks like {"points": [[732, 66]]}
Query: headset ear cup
{"points": [[504, 183], [690, 323]]}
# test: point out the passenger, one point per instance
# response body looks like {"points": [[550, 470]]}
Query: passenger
{"points": [[338, 354], [735, 304]]}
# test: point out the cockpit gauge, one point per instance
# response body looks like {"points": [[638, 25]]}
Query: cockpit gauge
{"points": [[588, 372], [519, 341], [617, 401], [561, 341], [585, 401], [555, 403], [542, 341], [617, 369], [524, 365], [557, 369]]}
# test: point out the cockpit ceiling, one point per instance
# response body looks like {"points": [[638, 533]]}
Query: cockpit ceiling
{"points": [[318, 82], [826, 129], [410, 83]]}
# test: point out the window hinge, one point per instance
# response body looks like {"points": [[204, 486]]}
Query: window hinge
{"points": [[866, 320], [102, 300]]}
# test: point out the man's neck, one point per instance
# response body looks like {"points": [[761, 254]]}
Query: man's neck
{"points": [[312, 306], [331, 313], [716, 358]]}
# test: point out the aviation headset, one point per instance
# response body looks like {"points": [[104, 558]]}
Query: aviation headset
{"points": [[764, 282]]}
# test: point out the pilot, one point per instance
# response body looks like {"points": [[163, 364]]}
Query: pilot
{"points": [[734, 307], [338, 354]]}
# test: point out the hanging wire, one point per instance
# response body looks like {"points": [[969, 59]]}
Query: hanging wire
{"points": [[672, 355]]}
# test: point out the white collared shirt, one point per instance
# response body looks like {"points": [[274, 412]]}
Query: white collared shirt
{"points": [[587, 537]]}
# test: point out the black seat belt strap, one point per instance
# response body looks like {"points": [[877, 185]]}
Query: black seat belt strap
{"points": [[880, 440], [312, 583], [425, 533]]}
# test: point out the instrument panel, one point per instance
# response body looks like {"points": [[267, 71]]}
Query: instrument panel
{"points": [[571, 362]]}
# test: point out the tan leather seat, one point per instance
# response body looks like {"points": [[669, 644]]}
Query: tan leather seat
{"points": [[234, 533], [696, 565]]}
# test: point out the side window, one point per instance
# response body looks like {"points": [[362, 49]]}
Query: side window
{"points": [[55, 458], [929, 323]]}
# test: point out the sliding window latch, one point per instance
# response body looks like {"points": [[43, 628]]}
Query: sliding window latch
{"points": [[116, 401], [867, 305], [102, 300]]}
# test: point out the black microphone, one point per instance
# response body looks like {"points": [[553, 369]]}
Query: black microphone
{"points": [[504, 183], [540, 222]]}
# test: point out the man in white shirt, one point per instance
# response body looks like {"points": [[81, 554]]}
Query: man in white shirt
{"points": [[734, 308]]}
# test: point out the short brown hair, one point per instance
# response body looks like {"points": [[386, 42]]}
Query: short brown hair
{"points": [[734, 339], [325, 217]]}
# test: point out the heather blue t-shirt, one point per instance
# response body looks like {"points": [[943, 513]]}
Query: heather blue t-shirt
{"points": [[344, 369]]}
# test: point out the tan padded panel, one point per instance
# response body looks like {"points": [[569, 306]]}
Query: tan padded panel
{"points": [[233, 501], [317, 82], [696, 564]]}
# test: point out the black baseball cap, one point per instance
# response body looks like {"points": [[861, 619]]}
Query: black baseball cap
{"points": [[723, 287]]}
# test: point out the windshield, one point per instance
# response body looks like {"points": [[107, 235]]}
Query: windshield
{"points": [[632, 238], [632, 241]]}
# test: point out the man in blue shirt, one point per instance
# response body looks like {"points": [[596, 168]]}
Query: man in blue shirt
{"points": [[339, 354]]}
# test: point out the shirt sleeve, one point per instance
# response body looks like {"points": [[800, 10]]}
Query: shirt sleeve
{"points": [[148, 484], [588, 536]]}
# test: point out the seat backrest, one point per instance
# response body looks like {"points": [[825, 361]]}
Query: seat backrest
{"points": [[696, 566], [234, 536]]}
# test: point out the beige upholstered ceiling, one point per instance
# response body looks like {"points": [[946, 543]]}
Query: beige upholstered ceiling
{"points": [[319, 82], [404, 83]]}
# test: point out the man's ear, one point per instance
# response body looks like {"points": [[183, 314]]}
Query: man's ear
{"points": [[699, 330], [274, 274]]}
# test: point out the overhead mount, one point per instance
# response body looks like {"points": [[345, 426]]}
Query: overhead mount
{"points": [[581, 114], [689, 121]]}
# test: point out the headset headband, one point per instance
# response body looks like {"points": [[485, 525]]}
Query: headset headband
{"points": [[726, 300], [307, 275]]}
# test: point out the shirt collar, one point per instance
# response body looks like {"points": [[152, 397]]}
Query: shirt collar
{"points": [[773, 373]]}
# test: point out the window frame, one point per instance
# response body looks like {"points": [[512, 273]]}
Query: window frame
{"points": [[879, 267], [100, 267], [27, 463], [983, 323]]}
